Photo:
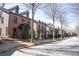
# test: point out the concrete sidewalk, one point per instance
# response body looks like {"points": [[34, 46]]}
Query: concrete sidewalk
{"points": [[18, 44], [7, 45]]}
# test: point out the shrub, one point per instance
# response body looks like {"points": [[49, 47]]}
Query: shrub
{"points": [[26, 35]]}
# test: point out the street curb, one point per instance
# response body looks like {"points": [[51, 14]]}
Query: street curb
{"points": [[36, 44], [44, 43]]}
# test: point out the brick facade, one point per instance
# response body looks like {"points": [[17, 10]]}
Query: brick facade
{"points": [[14, 22]]}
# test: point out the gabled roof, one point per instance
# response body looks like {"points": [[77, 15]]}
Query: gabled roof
{"points": [[7, 11]]}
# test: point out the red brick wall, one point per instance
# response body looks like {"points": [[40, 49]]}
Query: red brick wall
{"points": [[13, 25]]}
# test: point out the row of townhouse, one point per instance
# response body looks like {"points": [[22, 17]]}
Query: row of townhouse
{"points": [[13, 24], [40, 29], [58, 32], [43, 30]]}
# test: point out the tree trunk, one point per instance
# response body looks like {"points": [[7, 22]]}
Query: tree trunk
{"points": [[61, 29], [53, 28], [32, 23]]}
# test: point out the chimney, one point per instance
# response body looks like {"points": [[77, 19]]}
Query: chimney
{"points": [[17, 9], [27, 14]]}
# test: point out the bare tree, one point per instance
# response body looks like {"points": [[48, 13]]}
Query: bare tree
{"points": [[75, 8], [55, 12], [52, 12], [33, 7], [76, 11], [61, 19], [77, 29]]}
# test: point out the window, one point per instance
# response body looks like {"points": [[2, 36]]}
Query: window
{"points": [[22, 20], [0, 31], [6, 30], [42, 27], [15, 19], [39, 26], [1, 20]]}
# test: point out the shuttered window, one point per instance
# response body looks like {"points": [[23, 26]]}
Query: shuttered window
{"points": [[15, 19], [0, 31]]}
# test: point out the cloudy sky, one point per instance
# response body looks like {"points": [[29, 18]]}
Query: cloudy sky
{"points": [[71, 20]]}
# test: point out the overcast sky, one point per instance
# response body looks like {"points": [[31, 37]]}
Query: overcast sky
{"points": [[40, 15]]}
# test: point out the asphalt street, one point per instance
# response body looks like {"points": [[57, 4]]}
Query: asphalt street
{"points": [[67, 47]]}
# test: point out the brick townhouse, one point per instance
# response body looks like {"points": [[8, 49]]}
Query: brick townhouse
{"points": [[11, 24]]}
